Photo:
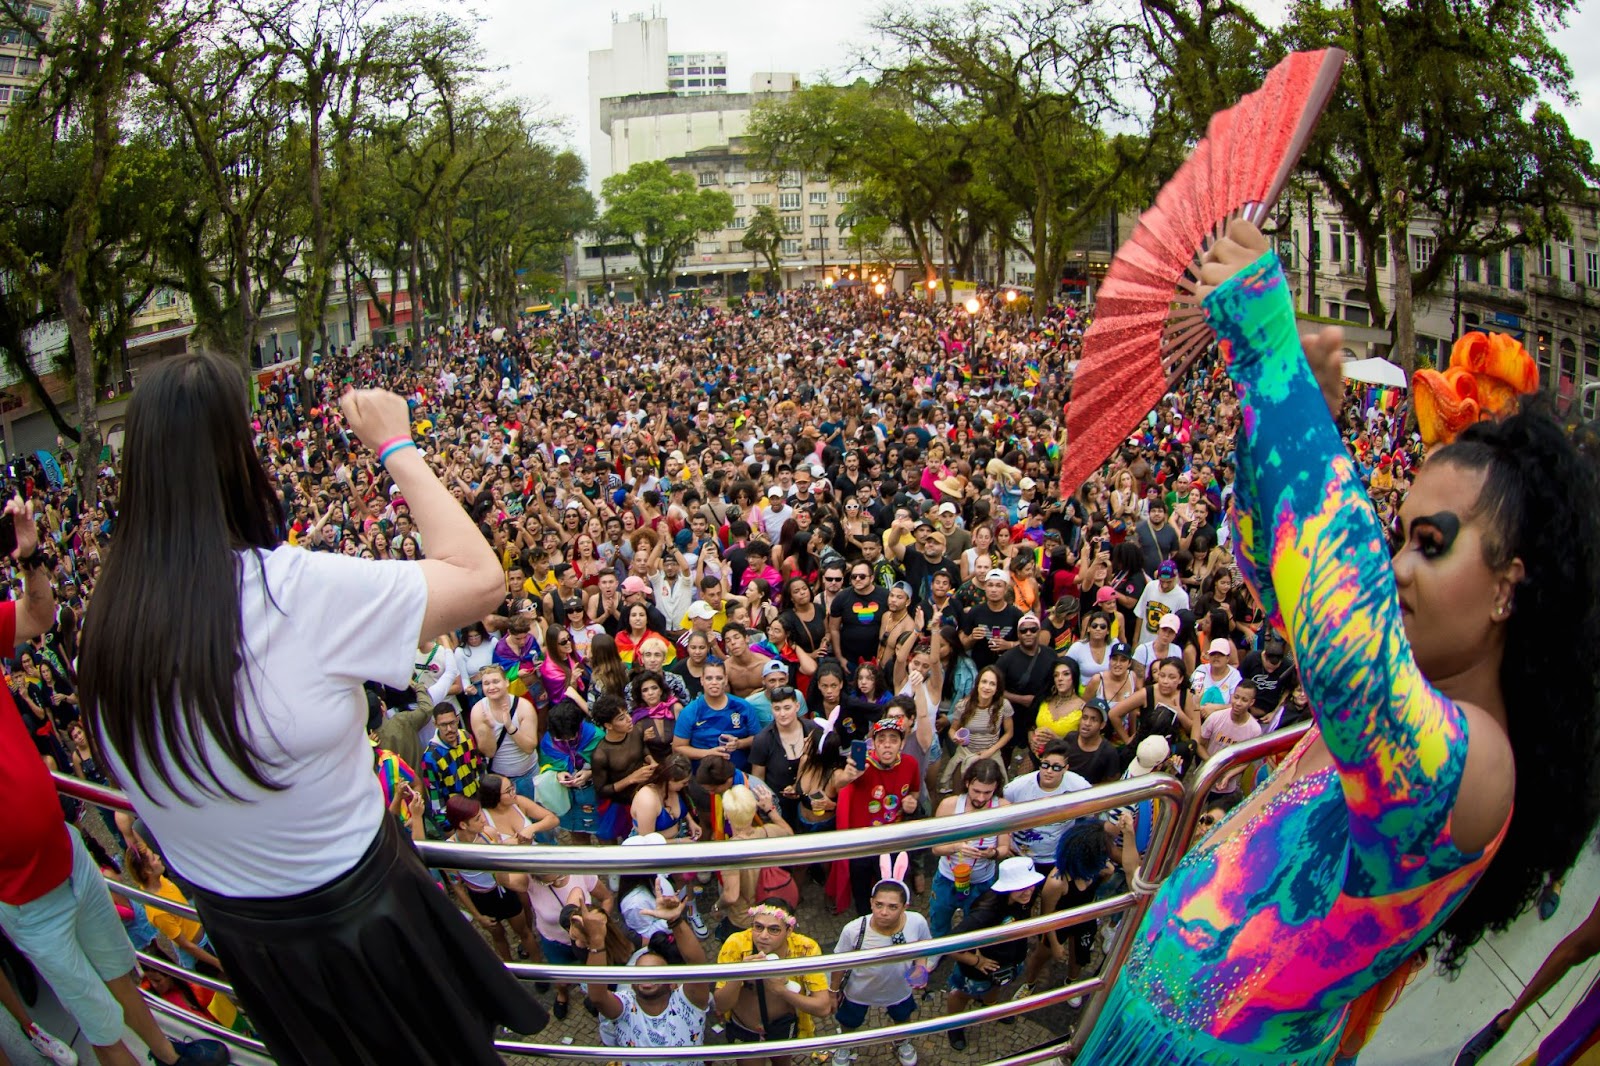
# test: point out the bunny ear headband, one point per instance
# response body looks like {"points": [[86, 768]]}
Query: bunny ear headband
{"points": [[894, 873], [828, 726]]}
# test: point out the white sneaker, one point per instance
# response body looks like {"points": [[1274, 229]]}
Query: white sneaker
{"points": [[1074, 1002], [906, 1053], [841, 1056], [1023, 992], [52, 1048]]}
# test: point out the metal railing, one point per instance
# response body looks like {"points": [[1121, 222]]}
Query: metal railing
{"points": [[1176, 808]]}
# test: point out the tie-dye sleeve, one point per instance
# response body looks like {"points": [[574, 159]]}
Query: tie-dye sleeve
{"points": [[1302, 517]]}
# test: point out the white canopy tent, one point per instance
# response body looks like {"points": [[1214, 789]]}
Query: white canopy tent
{"points": [[1375, 372]]}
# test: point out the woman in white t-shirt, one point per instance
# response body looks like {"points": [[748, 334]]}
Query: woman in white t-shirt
{"points": [[222, 674]]}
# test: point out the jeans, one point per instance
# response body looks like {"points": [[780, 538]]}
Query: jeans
{"points": [[851, 1014], [946, 901], [73, 937]]}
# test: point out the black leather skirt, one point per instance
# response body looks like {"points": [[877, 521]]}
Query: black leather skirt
{"points": [[375, 967]]}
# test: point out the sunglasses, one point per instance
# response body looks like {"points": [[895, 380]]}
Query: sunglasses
{"points": [[833, 580], [1028, 629], [858, 577]]}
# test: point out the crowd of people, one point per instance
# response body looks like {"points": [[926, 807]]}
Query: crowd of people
{"points": [[796, 565]]}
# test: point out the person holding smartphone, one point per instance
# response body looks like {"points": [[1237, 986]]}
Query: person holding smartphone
{"points": [[881, 792]]}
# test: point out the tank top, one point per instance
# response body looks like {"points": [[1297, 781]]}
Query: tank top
{"points": [[1121, 694], [510, 760], [478, 880], [982, 869], [488, 816]]}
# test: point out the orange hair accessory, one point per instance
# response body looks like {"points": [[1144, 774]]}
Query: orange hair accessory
{"points": [[1486, 375]]}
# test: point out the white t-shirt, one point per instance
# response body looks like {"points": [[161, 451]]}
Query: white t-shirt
{"points": [[885, 984], [1080, 653], [1202, 684], [682, 1024], [331, 623], [1153, 604], [1039, 843], [1145, 654], [633, 905]]}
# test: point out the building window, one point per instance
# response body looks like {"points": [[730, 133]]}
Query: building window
{"points": [[817, 198], [1383, 253], [1335, 241], [1542, 352], [819, 221], [791, 223], [1469, 268], [736, 248], [1569, 359], [841, 197], [10, 36], [1422, 249], [717, 70], [717, 83], [791, 247], [27, 65], [819, 244], [739, 222], [38, 14], [696, 83], [789, 201], [1591, 268], [675, 71], [738, 197], [761, 199], [1314, 247], [1516, 280], [8, 65], [708, 177], [789, 179], [1491, 270], [1572, 263], [695, 70], [1547, 260], [1591, 363]]}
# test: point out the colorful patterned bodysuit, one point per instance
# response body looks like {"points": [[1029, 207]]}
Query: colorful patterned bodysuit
{"points": [[1255, 946]]}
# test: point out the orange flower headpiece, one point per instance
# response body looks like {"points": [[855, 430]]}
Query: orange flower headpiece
{"points": [[1486, 375]]}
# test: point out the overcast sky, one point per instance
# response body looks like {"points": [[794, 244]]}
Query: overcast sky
{"points": [[543, 48]]}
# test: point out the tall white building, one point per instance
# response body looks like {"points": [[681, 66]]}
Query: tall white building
{"points": [[638, 64], [697, 73]]}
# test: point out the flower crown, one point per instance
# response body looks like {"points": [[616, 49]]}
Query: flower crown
{"points": [[1487, 374], [766, 910]]}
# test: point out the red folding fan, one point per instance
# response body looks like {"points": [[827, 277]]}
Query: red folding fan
{"points": [[1149, 327]]}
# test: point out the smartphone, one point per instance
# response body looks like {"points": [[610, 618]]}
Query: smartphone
{"points": [[664, 886], [858, 754]]}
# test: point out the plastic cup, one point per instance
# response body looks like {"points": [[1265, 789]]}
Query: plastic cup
{"points": [[962, 736], [961, 872]]}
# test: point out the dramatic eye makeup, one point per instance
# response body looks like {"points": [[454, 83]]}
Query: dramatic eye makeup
{"points": [[1435, 533]]}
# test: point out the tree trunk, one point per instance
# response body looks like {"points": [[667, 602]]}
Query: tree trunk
{"points": [[1403, 344], [77, 318]]}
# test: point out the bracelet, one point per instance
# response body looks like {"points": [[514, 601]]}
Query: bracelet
{"points": [[392, 440], [398, 446]]}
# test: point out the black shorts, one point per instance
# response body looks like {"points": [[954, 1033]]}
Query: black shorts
{"points": [[499, 902]]}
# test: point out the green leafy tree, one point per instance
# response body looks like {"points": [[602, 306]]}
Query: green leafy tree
{"points": [[764, 237], [1441, 115], [660, 212]]}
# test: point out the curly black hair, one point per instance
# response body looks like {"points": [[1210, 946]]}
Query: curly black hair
{"points": [[1541, 499]]}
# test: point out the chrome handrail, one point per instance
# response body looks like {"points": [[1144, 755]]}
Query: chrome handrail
{"points": [[1170, 800]]}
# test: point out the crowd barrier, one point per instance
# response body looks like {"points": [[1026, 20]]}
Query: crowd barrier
{"points": [[1177, 810]]}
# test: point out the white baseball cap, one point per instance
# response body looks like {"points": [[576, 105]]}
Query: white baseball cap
{"points": [[701, 609], [1152, 752], [1220, 646]]}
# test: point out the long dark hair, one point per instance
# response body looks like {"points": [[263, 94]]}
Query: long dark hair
{"points": [[1541, 496], [163, 639]]}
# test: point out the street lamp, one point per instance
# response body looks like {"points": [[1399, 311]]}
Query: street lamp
{"points": [[1011, 296], [827, 282], [972, 305], [880, 288]]}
